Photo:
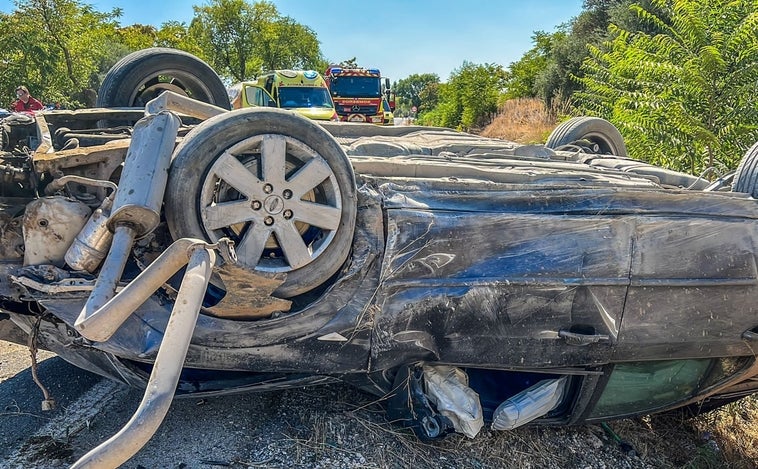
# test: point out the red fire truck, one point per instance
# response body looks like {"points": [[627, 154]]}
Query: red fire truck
{"points": [[359, 93]]}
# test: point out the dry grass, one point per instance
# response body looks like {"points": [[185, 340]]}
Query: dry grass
{"points": [[354, 432], [524, 120], [735, 428]]}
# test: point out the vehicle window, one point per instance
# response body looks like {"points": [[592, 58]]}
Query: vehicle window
{"points": [[356, 87], [251, 93], [296, 97], [635, 387]]}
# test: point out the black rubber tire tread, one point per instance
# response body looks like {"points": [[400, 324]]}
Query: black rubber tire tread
{"points": [[578, 128], [204, 144], [134, 69], [746, 176]]}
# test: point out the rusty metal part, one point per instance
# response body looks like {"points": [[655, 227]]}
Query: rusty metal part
{"points": [[67, 285], [137, 205], [104, 314], [248, 294], [48, 403], [110, 274], [78, 157], [11, 238], [60, 182]]}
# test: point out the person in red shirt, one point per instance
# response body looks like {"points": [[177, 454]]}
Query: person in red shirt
{"points": [[25, 101]]}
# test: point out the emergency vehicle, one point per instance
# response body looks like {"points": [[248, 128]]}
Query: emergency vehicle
{"points": [[303, 91], [358, 94]]}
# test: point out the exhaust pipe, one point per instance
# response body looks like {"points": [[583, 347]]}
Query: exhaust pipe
{"points": [[135, 213], [166, 370], [137, 206], [102, 323]]}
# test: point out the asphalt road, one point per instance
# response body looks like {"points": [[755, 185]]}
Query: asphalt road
{"points": [[240, 431], [21, 398]]}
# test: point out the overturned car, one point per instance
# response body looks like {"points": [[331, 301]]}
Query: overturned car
{"points": [[470, 281]]}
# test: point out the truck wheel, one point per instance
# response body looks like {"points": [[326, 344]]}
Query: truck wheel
{"points": [[274, 182], [602, 136], [746, 177], [141, 76]]}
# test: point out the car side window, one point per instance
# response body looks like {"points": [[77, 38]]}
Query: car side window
{"points": [[257, 96], [644, 386]]}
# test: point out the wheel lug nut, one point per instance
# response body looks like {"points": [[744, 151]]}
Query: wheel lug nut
{"points": [[287, 214], [256, 205], [287, 194], [268, 221], [268, 188]]}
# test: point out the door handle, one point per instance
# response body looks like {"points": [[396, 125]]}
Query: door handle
{"points": [[576, 338]]}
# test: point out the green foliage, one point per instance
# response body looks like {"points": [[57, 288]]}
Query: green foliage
{"points": [[550, 69], [288, 44], [240, 40], [420, 90], [62, 49], [685, 97], [469, 99], [54, 48], [226, 31], [522, 75]]}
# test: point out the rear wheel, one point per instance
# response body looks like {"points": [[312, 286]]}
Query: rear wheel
{"points": [[276, 183], [143, 75], [592, 134]]}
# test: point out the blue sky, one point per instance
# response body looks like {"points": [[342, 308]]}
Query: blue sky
{"points": [[400, 37]]}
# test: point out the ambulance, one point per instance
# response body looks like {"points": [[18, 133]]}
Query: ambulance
{"points": [[302, 91]]}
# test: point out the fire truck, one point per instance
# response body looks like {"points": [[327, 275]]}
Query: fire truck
{"points": [[360, 94]]}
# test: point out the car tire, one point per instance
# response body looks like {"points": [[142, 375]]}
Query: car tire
{"points": [[746, 176], [274, 182], [142, 75], [604, 136]]}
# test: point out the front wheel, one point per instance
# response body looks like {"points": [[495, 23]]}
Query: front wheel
{"points": [[274, 182]]}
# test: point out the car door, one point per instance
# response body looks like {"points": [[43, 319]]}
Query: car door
{"points": [[497, 287]]}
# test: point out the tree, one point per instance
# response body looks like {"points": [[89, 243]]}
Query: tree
{"points": [[522, 75], [416, 91], [226, 30], [685, 97], [469, 98], [552, 68], [240, 40], [54, 47], [288, 44]]}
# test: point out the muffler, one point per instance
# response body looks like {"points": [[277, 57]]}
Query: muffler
{"points": [[137, 206]]}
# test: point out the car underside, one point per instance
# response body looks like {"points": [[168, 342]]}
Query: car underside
{"points": [[194, 250]]}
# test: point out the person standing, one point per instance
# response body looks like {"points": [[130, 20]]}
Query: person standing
{"points": [[25, 101]]}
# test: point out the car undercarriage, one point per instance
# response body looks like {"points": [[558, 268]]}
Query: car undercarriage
{"points": [[191, 250]]}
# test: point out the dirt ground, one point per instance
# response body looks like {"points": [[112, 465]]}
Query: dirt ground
{"points": [[331, 426]]}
